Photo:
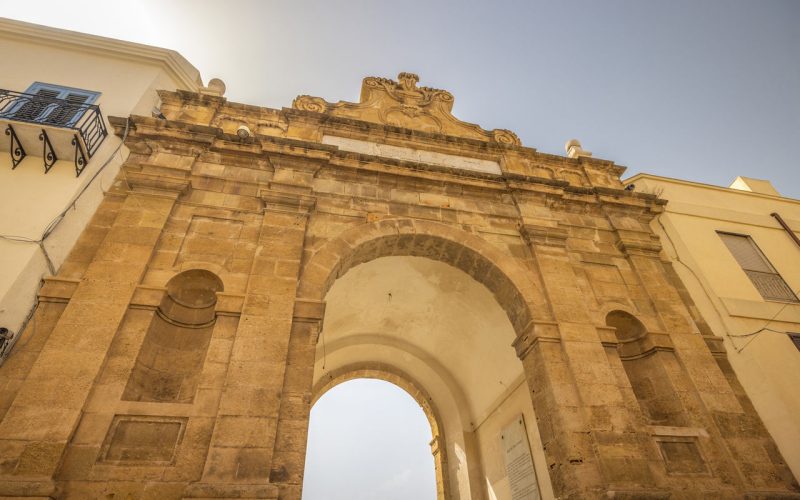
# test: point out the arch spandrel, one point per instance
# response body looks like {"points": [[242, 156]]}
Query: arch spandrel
{"points": [[508, 280]]}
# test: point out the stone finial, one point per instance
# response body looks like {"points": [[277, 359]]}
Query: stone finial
{"points": [[574, 149], [215, 87]]}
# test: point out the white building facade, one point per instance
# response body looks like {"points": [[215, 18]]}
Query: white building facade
{"points": [[57, 153]]}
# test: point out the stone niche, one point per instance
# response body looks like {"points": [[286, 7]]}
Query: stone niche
{"points": [[168, 367]]}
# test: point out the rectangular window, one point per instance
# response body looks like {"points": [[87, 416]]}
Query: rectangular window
{"points": [[765, 278], [54, 104]]}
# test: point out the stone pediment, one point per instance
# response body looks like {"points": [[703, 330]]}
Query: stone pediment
{"points": [[404, 104]]}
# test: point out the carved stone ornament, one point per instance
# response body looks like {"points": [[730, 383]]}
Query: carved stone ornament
{"points": [[404, 104], [309, 103], [504, 136]]}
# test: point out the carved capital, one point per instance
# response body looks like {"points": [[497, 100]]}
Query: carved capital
{"points": [[310, 313], [634, 246], [536, 234], [645, 345], [539, 332], [57, 289], [436, 445], [715, 345], [308, 310], [286, 201]]}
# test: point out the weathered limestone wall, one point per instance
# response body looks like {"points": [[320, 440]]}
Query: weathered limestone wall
{"points": [[275, 219], [518, 402]]}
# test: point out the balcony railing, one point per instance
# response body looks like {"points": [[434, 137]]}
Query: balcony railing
{"points": [[83, 122]]}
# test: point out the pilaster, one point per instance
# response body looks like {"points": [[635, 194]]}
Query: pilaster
{"points": [[587, 431], [48, 406], [240, 456], [288, 459]]}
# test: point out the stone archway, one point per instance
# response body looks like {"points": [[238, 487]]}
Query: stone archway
{"points": [[388, 373], [508, 286]]}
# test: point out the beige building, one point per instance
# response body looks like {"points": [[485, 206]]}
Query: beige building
{"points": [[737, 251], [57, 87]]}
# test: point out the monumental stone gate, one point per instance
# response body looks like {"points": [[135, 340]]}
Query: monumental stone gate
{"points": [[519, 297]]}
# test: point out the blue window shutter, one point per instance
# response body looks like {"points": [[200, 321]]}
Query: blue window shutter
{"points": [[48, 112]]}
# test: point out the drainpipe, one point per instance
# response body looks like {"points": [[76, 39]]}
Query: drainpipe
{"points": [[786, 228]]}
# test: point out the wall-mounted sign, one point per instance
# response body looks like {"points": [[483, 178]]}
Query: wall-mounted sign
{"points": [[519, 463]]}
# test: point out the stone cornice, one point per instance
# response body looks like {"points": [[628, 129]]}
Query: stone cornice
{"points": [[436, 141], [155, 128], [270, 145], [451, 143], [400, 134]]}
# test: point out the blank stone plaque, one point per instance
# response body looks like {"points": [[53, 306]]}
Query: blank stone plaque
{"points": [[519, 463]]}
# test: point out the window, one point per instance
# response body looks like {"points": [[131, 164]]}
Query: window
{"points": [[54, 105], [764, 277], [795, 337]]}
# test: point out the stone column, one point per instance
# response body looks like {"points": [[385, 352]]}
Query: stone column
{"points": [[48, 406], [241, 451], [288, 460]]}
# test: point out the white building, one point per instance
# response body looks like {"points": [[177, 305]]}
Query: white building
{"points": [[57, 151]]}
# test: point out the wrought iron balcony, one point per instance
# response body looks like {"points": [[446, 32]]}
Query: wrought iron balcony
{"points": [[58, 128]]}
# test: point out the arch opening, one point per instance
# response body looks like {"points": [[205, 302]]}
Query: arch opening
{"points": [[370, 437], [434, 326], [445, 307]]}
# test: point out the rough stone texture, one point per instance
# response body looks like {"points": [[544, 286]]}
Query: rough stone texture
{"points": [[172, 357]]}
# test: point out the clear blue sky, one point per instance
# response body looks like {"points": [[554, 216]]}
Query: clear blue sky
{"points": [[701, 90]]}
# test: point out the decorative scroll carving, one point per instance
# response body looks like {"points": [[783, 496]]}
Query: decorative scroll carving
{"points": [[309, 103], [404, 104], [504, 136]]}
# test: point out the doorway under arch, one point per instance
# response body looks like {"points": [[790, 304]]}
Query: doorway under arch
{"points": [[440, 334], [371, 438]]}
